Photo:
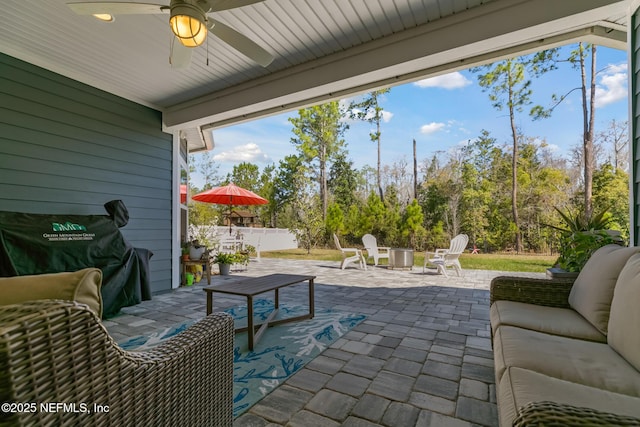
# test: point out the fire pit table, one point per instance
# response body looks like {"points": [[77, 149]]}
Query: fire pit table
{"points": [[400, 258]]}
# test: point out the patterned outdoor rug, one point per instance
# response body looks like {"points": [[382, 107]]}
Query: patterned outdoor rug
{"points": [[282, 351]]}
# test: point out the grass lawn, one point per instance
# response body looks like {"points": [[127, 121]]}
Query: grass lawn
{"points": [[501, 262]]}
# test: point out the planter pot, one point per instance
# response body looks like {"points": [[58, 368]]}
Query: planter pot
{"points": [[224, 269], [196, 253], [189, 279]]}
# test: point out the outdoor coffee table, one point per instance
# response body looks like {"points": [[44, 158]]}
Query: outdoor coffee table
{"points": [[253, 286]]}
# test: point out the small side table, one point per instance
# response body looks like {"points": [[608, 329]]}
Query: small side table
{"points": [[205, 263]]}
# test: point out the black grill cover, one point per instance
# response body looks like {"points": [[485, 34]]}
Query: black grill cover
{"points": [[42, 243]]}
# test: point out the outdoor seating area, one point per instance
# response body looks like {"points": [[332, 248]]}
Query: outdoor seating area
{"points": [[421, 357], [428, 350], [153, 153]]}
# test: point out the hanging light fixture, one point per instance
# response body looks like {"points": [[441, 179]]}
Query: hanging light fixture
{"points": [[188, 22]]}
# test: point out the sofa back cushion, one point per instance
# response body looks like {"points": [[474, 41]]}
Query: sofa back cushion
{"points": [[624, 321], [82, 286], [592, 291]]}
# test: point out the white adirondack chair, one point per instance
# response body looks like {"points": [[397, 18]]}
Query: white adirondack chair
{"points": [[443, 258], [350, 255], [373, 250]]}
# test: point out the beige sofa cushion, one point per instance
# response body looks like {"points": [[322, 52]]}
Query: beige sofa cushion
{"points": [[624, 324], [520, 386], [592, 291], [82, 286], [551, 320], [585, 362]]}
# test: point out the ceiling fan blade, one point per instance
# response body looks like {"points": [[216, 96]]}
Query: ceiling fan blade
{"points": [[217, 5], [240, 42], [114, 8], [180, 55]]}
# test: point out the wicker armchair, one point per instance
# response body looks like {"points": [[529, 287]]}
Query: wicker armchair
{"points": [[59, 352]]}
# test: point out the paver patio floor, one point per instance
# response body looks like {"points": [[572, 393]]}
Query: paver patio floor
{"points": [[422, 357]]}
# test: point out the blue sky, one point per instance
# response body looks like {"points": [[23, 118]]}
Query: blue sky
{"points": [[441, 113]]}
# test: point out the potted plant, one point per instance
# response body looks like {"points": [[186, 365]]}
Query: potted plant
{"points": [[185, 251], [196, 250], [242, 257], [580, 238], [224, 261]]}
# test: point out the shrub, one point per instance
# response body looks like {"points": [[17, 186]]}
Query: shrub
{"points": [[582, 236]]}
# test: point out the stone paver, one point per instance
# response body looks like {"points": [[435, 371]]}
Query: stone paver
{"points": [[421, 358]]}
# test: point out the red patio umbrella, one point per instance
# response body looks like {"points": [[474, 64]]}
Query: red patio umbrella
{"points": [[230, 195], [183, 193]]}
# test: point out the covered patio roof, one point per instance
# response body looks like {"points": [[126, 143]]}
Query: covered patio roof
{"points": [[323, 50]]}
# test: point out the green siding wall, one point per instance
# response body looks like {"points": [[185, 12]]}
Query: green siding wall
{"points": [[634, 38], [66, 147]]}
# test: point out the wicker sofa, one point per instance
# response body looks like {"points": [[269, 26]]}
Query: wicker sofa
{"points": [[568, 353], [55, 352]]}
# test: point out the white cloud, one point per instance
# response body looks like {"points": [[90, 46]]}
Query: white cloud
{"points": [[432, 127], [449, 81], [386, 116], [612, 86], [250, 152]]}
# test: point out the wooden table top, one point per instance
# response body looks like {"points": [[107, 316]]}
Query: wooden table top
{"points": [[257, 285]]}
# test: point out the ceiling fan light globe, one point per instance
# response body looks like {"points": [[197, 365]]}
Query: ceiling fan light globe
{"points": [[188, 30], [188, 22]]}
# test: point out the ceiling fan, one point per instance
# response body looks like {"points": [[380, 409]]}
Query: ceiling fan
{"points": [[189, 23]]}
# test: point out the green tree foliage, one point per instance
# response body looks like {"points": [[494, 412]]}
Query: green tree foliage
{"points": [[611, 192], [318, 134], [411, 225], [246, 175], [335, 219], [288, 183], [466, 190], [343, 181], [477, 187], [372, 217], [509, 86]]}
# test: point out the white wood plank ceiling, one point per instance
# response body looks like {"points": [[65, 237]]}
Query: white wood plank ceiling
{"points": [[376, 40]]}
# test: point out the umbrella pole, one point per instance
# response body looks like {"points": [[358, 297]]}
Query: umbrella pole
{"points": [[230, 212]]}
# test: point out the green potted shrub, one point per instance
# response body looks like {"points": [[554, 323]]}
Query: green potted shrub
{"points": [[580, 238], [242, 257], [224, 261]]}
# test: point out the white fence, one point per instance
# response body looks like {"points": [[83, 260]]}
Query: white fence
{"points": [[263, 239]]}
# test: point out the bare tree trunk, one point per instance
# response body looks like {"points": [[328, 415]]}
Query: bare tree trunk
{"points": [[323, 181], [514, 171], [589, 161], [379, 177], [415, 172]]}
